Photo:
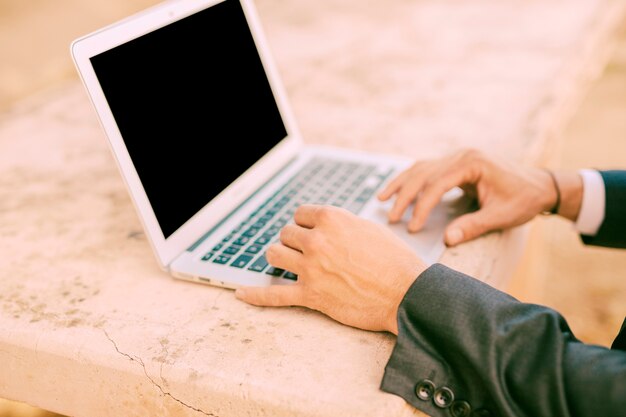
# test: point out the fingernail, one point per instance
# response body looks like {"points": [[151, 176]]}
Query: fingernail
{"points": [[239, 293], [454, 236]]}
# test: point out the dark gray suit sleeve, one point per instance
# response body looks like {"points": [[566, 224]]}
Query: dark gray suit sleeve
{"points": [[612, 232], [485, 351]]}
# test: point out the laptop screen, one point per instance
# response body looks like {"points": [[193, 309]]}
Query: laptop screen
{"points": [[194, 107]]}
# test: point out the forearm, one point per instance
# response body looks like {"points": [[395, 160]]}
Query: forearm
{"points": [[494, 352]]}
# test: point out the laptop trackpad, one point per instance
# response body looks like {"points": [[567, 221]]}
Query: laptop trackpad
{"points": [[428, 242]]}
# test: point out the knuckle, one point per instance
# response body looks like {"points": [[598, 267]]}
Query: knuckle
{"points": [[311, 241], [325, 214], [306, 241], [286, 232], [430, 186], [435, 186], [404, 197], [472, 155]]}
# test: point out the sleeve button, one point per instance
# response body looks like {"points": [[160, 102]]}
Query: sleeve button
{"points": [[460, 408], [425, 389], [443, 397]]}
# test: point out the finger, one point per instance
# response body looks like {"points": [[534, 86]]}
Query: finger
{"points": [[280, 256], [272, 296], [293, 236], [306, 215], [312, 215], [470, 226], [431, 196], [405, 197], [393, 186]]}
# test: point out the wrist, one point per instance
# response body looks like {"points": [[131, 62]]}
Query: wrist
{"points": [[392, 326], [410, 275], [553, 199], [571, 189], [565, 194]]}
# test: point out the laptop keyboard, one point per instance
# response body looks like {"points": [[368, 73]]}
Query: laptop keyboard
{"points": [[320, 181]]}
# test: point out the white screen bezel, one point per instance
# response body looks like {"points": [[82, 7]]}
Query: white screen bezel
{"points": [[214, 211]]}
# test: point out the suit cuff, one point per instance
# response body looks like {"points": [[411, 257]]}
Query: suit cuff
{"points": [[409, 364], [592, 209], [429, 336]]}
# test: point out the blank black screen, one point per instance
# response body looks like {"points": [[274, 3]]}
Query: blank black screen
{"points": [[189, 97]]}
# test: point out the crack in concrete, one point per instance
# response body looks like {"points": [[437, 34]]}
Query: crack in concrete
{"points": [[143, 366], [167, 354], [214, 306]]}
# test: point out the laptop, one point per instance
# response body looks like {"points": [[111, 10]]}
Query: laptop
{"points": [[204, 137]]}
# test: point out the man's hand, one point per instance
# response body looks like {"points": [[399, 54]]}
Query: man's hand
{"points": [[507, 195], [349, 268]]}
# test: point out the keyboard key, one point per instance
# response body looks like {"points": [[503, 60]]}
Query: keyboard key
{"points": [[290, 275], [367, 193], [221, 259], [266, 218], [259, 265], [217, 247], [241, 241], [231, 250], [279, 223], [254, 249], [251, 232], [241, 261], [207, 256], [274, 271], [272, 231], [263, 240]]}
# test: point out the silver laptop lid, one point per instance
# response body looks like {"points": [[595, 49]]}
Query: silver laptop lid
{"points": [[180, 89]]}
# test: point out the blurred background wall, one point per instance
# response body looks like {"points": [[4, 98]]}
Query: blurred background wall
{"points": [[587, 285]]}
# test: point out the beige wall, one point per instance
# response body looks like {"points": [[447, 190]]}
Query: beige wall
{"points": [[35, 36], [586, 284]]}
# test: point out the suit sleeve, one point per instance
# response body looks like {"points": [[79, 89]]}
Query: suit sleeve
{"points": [[612, 232], [467, 349]]}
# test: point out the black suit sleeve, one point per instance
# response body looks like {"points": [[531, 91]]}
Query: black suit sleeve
{"points": [[612, 232], [485, 351]]}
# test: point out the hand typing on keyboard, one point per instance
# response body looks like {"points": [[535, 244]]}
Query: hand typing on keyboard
{"points": [[321, 181], [330, 249]]}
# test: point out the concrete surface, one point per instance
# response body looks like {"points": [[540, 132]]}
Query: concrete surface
{"points": [[38, 32]]}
